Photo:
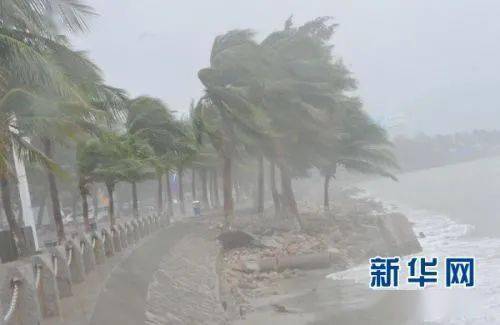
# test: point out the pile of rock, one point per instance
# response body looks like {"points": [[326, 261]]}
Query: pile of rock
{"points": [[352, 232]]}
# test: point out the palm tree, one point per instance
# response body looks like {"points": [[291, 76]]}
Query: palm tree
{"points": [[362, 146], [300, 83], [274, 190], [182, 156], [214, 188], [66, 118], [110, 159], [24, 67], [206, 160], [150, 119], [141, 161], [225, 113], [43, 17], [170, 199], [193, 183], [272, 94], [260, 186]]}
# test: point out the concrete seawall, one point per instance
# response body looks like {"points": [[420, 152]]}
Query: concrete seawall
{"points": [[83, 281]]}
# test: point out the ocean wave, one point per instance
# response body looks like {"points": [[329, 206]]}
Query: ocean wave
{"points": [[443, 237]]}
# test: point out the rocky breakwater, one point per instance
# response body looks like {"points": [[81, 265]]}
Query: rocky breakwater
{"points": [[355, 230]]}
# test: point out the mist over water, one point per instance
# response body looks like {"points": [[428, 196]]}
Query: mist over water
{"points": [[456, 208], [466, 192]]}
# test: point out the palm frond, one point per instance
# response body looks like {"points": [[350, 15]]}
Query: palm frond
{"points": [[45, 16], [29, 153], [25, 66]]}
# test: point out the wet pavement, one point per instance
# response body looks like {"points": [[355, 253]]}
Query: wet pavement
{"points": [[123, 299]]}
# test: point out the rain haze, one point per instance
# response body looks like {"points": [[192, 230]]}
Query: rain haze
{"points": [[418, 63], [249, 162]]}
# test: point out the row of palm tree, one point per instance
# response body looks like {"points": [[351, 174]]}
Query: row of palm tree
{"points": [[285, 100], [52, 96], [289, 100]]}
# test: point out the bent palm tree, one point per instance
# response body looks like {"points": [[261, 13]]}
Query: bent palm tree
{"points": [[149, 118], [225, 113], [110, 159], [12, 138], [362, 146], [24, 67]]}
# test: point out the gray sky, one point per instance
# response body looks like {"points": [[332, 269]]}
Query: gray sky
{"points": [[424, 65]]}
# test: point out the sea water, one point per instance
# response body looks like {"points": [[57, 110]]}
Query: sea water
{"points": [[457, 208]]}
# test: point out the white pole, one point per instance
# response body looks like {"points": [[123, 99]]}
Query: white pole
{"points": [[24, 193]]}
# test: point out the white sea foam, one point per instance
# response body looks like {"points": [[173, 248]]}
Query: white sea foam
{"points": [[446, 238]]}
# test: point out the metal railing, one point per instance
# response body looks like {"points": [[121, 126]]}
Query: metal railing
{"points": [[15, 284], [55, 264], [38, 276], [104, 237], [70, 255]]}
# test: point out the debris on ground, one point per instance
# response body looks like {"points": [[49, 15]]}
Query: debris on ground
{"points": [[280, 308], [267, 249]]}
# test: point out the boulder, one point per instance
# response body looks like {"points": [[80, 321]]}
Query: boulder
{"points": [[398, 234], [235, 239]]}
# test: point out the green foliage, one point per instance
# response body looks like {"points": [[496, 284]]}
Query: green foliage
{"points": [[287, 98], [362, 145], [112, 158], [45, 16], [38, 69], [171, 139]]}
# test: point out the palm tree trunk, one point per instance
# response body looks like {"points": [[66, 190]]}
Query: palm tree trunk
{"points": [[182, 206], [210, 188], [85, 205], [9, 214], [211, 193], [54, 193], [95, 204], [204, 193], [135, 205], [216, 188], [85, 211], [159, 205], [274, 190], [111, 207], [227, 188], [288, 195], [74, 202], [326, 196], [237, 192], [170, 207], [2, 224], [41, 210], [260, 187], [193, 183], [330, 173]]}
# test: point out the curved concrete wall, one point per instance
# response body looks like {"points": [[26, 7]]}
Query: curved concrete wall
{"points": [[31, 293]]}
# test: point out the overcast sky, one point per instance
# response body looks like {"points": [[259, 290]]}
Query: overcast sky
{"points": [[422, 65]]}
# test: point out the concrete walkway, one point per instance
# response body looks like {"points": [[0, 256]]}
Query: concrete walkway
{"points": [[123, 299]]}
